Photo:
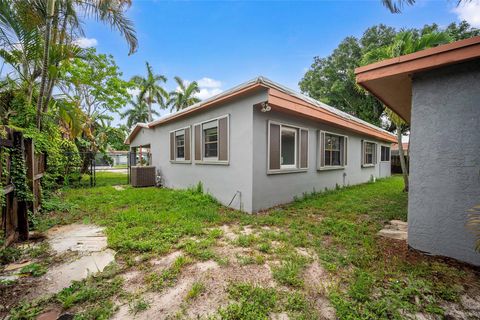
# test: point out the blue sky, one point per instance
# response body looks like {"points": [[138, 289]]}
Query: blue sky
{"points": [[226, 43]]}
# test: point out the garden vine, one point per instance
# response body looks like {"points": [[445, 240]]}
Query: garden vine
{"points": [[18, 174]]}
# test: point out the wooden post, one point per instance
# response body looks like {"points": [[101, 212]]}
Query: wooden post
{"points": [[30, 164]]}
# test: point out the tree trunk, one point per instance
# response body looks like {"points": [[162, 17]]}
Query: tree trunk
{"points": [[150, 109], [48, 26], [401, 154], [52, 80]]}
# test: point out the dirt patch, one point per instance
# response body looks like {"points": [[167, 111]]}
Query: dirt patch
{"points": [[228, 233], [165, 261], [395, 229], [119, 188], [317, 285]]}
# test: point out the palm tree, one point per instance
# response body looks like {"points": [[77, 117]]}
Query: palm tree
{"points": [[138, 113], [395, 6], [404, 43], [150, 90], [46, 50], [51, 26], [184, 96]]}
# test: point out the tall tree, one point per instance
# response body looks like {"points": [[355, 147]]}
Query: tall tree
{"points": [[51, 27], [332, 79], [138, 113], [151, 90], [184, 95], [404, 43], [94, 83]]}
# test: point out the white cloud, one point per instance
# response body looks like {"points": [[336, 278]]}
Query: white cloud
{"points": [[206, 93], [86, 42], [209, 83], [208, 88], [470, 12]]}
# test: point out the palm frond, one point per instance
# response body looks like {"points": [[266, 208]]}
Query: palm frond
{"points": [[396, 6]]}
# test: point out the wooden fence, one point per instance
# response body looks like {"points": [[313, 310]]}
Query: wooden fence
{"points": [[15, 210]]}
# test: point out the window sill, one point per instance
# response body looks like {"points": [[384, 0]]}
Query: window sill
{"points": [[331, 168], [282, 171], [368, 165], [181, 161], [213, 162]]}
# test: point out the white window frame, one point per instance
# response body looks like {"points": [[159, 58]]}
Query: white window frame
{"points": [[211, 160], [322, 155], [175, 133], [389, 153], [296, 146], [288, 168], [374, 155]]}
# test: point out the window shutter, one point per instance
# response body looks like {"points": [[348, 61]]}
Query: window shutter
{"points": [[223, 139], [362, 150], [187, 144], [172, 146], [274, 145], [303, 149], [345, 151], [198, 142], [375, 153], [321, 141]]}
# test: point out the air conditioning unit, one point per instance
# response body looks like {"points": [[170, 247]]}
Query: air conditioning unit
{"points": [[142, 176]]}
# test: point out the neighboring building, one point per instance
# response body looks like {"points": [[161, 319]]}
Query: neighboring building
{"points": [[395, 157], [260, 144], [438, 91], [112, 158]]}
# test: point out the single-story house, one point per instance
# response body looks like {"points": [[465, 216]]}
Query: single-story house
{"points": [[438, 92], [261, 144]]}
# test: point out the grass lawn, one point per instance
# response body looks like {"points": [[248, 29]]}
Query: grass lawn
{"points": [[330, 235]]}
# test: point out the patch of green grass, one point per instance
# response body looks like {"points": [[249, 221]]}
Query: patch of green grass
{"points": [[107, 179], [251, 302], [90, 290], [38, 251], [244, 260], [25, 311], [145, 219], [104, 310], [289, 272], [9, 254], [265, 247], [340, 226], [245, 241], [197, 289], [159, 281], [138, 305], [34, 269]]}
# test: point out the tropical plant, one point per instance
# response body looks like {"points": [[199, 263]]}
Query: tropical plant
{"points": [[404, 43], [184, 95], [151, 90], [396, 6], [138, 113], [36, 36]]}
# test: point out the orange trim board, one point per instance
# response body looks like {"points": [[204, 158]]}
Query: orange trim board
{"points": [[286, 102]]}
